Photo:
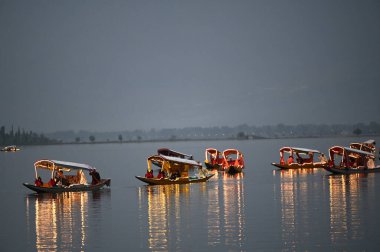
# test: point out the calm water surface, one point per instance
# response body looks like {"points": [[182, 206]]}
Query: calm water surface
{"points": [[262, 209]]}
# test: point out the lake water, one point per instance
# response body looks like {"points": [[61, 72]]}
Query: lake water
{"points": [[262, 209]]}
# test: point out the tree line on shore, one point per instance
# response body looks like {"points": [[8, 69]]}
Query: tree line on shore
{"points": [[20, 136]]}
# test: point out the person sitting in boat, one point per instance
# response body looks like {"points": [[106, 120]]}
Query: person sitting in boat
{"points": [[52, 183], [310, 159], [300, 160], [175, 175], [370, 163], [60, 179], [161, 174], [38, 182], [149, 174], [290, 160], [322, 158], [95, 177]]}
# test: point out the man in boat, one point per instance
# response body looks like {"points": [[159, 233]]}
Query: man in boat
{"points": [[370, 163], [290, 160], [322, 158], [149, 174], [60, 179], [161, 174], [95, 177], [38, 182]]}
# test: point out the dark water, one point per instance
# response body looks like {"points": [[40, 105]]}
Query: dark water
{"points": [[263, 209]]}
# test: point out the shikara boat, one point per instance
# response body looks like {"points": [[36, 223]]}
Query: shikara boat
{"points": [[233, 161], [62, 181], [305, 158], [171, 153], [11, 148], [174, 170], [345, 160], [368, 146], [213, 159]]}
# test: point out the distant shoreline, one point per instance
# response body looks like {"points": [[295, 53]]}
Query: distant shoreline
{"points": [[197, 140]]}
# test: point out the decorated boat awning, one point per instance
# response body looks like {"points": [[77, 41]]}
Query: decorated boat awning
{"points": [[162, 158], [339, 150], [169, 152], [298, 150], [61, 165]]}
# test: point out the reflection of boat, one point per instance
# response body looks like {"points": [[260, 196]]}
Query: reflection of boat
{"points": [[350, 161], [61, 221], [233, 161], [11, 148], [368, 146], [214, 159], [170, 211], [171, 153], [305, 158], [66, 183], [174, 170]]}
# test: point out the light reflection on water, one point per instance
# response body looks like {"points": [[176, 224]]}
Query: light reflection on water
{"points": [[171, 212], [294, 190], [60, 220], [345, 201]]}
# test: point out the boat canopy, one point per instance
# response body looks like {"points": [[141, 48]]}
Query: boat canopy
{"points": [[231, 152], [339, 150], [368, 146], [173, 153], [370, 142], [298, 150], [61, 165], [212, 151], [172, 163]]}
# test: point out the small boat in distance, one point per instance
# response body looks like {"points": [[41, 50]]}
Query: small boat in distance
{"points": [[60, 182], [213, 159], [233, 161], [368, 146], [305, 158], [345, 160], [11, 148], [174, 170]]}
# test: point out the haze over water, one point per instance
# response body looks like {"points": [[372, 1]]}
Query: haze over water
{"points": [[261, 209]]}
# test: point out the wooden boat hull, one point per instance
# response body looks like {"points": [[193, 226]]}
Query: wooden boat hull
{"points": [[76, 188], [298, 166], [166, 181], [233, 169], [335, 170]]}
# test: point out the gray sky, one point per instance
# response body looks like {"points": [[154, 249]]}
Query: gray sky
{"points": [[124, 65]]}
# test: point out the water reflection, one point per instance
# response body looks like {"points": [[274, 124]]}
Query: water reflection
{"points": [[345, 193], [216, 210], [296, 188], [60, 220]]}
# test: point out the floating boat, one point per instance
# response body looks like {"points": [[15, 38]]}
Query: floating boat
{"points": [[214, 159], [171, 153], [11, 148], [60, 182], [233, 161], [345, 160], [174, 170], [368, 146], [304, 158]]}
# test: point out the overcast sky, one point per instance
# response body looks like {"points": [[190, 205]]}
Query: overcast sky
{"points": [[125, 65]]}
